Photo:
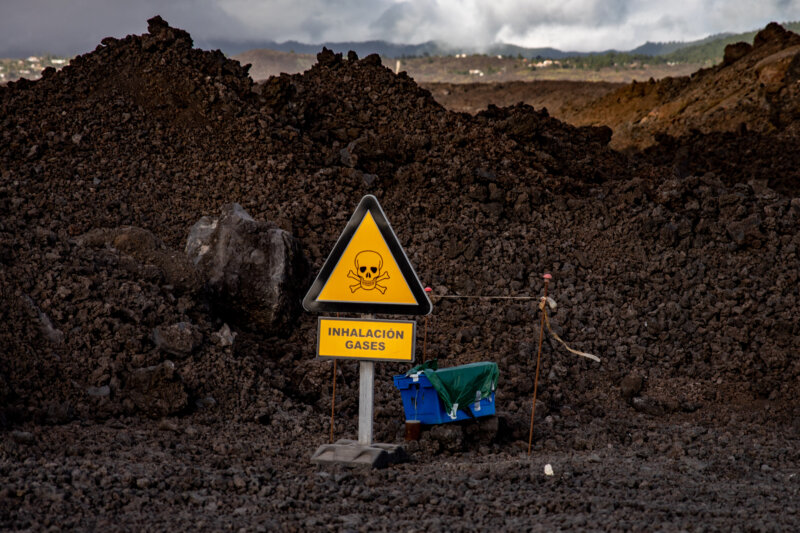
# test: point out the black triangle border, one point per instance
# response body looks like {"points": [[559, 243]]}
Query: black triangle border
{"points": [[368, 204]]}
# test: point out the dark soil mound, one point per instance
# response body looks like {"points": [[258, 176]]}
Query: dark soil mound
{"points": [[690, 282], [759, 159]]}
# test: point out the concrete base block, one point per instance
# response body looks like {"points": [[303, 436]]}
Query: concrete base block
{"points": [[351, 453]]}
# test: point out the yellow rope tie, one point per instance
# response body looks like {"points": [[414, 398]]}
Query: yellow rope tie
{"points": [[543, 306]]}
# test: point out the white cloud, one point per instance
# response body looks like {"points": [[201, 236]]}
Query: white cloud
{"points": [[78, 25], [579, 24]]}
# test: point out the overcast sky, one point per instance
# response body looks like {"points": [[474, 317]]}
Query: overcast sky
{"points": [[68, 27]]}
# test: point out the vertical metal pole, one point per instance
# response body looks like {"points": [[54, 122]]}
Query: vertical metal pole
{"points": [[333, 395], [538, 360], [425, 338], [333, 399], [365, 399]]}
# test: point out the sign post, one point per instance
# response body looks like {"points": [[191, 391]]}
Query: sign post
{"points": [[366, 385], [367, 272]]}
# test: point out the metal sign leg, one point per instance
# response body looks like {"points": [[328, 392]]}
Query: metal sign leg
{"points": [[365, 401], [363, 451]]}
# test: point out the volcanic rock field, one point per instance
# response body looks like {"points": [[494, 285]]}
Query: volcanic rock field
{"points": [[142, 388]]}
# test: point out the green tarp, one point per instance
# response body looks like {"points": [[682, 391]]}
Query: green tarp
{"points": [[459, 386]]}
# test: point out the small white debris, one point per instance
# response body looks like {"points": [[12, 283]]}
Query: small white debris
{"points": [[548, 469], [225, 336]]}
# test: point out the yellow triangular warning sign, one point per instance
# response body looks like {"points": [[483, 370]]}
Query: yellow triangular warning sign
{"points": [[368, 271]]}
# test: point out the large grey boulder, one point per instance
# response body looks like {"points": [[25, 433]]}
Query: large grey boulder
{"points": [[254, 271]]}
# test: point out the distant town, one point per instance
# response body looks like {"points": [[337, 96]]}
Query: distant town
{"points": [[29, 68], [455, 68]]}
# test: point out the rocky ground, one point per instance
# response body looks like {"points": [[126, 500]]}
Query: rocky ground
{"points": [[143, 385], [203, 473]]}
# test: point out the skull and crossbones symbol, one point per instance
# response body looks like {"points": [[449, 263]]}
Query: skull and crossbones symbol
{"points": [[369, 266]]}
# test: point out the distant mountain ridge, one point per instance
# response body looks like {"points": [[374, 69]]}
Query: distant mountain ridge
{"points": [[388, 49], [708, 49]]}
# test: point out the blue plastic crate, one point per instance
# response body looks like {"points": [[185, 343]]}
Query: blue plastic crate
{"points": [[421, 402]]}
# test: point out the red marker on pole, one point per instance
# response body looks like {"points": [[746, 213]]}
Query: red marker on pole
{"points": [[547, 278], [425, 335]]}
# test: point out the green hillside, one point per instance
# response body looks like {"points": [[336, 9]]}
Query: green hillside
{"points": [[708, 51], [662, 48], [711, 52]]}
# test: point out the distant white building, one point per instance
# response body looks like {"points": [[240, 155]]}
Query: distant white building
{"points": [[475, 72]]}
